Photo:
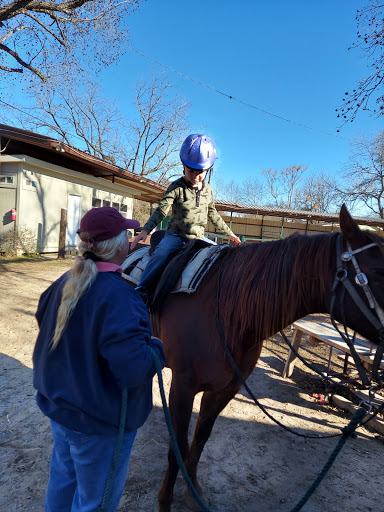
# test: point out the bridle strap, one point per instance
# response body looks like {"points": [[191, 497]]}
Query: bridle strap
{"points": [[341, 277], [362, 281], [359, 366]]}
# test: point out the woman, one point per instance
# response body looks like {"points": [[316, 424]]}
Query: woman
{"points": [[93, 366]]}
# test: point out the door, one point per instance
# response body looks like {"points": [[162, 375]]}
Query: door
{"points": [[73, 220], [7, 202]]}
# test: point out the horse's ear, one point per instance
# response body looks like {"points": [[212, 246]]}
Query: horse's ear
{"points": [[348, 226]]}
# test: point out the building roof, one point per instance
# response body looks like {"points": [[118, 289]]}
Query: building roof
{"points": [[15, 141]]}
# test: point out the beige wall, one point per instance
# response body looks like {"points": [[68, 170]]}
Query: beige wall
{"points": [[39, 208]]}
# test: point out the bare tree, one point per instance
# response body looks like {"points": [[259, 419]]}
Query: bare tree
{"points": [[48, 37], [252, 191], [226, 191], [370, 39], [283, 185], [233, 192], [318, 194], [364, 176], [81, 116], [158, 132]]}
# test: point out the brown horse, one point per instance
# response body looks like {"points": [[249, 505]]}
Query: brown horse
{"points": [[264, 288]]}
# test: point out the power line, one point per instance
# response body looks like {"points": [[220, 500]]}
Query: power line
{"points": [[230, 97]]}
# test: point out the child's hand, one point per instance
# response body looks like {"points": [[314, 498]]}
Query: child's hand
{"points": [[141, 236], [236, 239]]}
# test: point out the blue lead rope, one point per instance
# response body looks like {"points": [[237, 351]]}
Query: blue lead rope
{"points": [[348, 431], [175, 447], [116, 454]]}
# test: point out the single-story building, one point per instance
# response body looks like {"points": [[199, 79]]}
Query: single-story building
{"points": [[40, 177]]}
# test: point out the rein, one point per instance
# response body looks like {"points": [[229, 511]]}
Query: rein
{"points": [[241, 378], [377, 322], [341, 278]]}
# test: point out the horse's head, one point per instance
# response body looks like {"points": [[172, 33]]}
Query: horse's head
{"points": [[359, 282]]}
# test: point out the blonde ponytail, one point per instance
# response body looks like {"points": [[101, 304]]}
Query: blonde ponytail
{"points": [[80, 278]]}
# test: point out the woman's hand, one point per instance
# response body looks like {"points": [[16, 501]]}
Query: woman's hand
{"points": [[141, 236]]}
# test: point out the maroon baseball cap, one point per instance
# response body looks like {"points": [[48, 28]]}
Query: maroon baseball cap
{"points": [[104, 223]]}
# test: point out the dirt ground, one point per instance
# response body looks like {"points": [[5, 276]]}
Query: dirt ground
{"points": [[249, 463]]}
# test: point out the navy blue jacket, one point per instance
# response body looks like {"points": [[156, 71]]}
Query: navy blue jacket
{"points": [[104, 348]]}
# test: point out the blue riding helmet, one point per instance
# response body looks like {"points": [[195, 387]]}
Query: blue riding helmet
{"points": [[198, 152]]}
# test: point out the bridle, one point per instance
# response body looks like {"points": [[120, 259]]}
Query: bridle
{"points": [[377, 319]]}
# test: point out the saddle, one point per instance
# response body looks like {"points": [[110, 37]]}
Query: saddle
{"points": [[182, 273]]}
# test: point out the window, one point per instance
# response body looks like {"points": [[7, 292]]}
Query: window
{"points": [[30, 183], [6, 179], [122, 208]]}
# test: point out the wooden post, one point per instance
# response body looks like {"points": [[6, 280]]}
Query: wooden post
{"points": [[261, 228], [63, 232], [289, 363]]}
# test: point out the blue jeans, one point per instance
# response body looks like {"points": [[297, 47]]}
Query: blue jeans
{"points": [[169, 243], [79, 470]]}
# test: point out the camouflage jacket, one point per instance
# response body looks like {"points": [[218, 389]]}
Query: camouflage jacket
{"points": [[191, 209]]}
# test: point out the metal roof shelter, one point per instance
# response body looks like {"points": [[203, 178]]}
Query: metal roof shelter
{"points": [[14, 141], [225, 206]]}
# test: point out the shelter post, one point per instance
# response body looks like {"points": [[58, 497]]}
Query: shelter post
{"points": [[63, 233]]}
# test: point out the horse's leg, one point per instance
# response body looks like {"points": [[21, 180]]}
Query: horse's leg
{"points": [[212, 403], [180, 407]]}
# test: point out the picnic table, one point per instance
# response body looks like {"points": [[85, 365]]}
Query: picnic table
{"points": [[325, 332]]}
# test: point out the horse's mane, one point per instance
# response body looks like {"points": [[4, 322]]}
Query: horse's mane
{"points": [[258, 278]]}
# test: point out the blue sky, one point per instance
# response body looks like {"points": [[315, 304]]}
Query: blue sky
{"points": [[287, 58]]}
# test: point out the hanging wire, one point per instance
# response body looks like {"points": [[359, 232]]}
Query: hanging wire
{"points": [[202, 84], [229, 96]]}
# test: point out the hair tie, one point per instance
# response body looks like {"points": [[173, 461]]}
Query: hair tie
{"points": [[88, 255]]}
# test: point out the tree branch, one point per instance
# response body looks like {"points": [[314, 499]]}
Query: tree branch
{"points": [[18, 6], [44, 27], [12, 9], [11, 32], [22, 62]]}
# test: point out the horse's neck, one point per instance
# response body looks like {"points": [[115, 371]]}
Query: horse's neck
{"points": [[286, 281], [311, 278]]}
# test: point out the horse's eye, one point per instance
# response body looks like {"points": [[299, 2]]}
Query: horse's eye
{"points": [[378, 271]]}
